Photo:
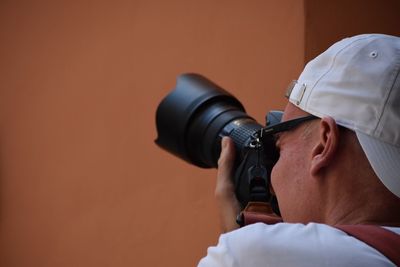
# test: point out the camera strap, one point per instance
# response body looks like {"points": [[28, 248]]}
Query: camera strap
{"points": [[383, 240], [258, 209], [257, 174], [257, 212]]}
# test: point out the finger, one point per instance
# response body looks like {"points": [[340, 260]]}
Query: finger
{"points": [[225, 193], [227, 156], [225, 167]]}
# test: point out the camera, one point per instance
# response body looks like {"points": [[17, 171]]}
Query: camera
{"points": [[193, 118]]}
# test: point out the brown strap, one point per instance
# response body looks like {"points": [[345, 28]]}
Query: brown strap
{"points": [[249, 217], [383, 240], [257, 212]]}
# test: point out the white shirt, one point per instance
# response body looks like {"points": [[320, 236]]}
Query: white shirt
{"points": [[286, 244]]}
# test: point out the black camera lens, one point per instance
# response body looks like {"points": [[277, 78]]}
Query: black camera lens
{"points": [[191, 122], [192, 119]]}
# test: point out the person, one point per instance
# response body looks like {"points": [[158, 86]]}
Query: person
{"points": [[342, 168]]}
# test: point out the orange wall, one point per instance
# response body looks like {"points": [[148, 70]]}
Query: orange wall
{"points": [[82, 183], [329, 21]]}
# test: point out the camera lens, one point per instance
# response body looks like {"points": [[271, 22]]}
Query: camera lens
{"points": [[192, 119]]}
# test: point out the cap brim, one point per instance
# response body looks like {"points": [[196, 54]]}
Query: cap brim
{"points": [[384, 159]]}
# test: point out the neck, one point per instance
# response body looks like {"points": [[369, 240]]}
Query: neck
{"points": [[372, 210], [352, 218], [353, 193]]}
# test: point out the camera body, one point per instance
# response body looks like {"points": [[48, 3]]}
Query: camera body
{"points": [[191, 122]]}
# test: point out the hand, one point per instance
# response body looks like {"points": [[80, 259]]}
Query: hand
{"points": [[227, 202]]}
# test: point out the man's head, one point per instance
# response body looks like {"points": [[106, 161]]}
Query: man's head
{"points": [[354, 87]]}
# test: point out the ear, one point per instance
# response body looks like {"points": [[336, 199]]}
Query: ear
{"points": [[328, 141]]}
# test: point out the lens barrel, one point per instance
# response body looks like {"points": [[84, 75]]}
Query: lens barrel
{"points": [[192, 119]]}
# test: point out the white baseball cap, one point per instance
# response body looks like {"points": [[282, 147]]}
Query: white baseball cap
{"points": [[357, 82]]}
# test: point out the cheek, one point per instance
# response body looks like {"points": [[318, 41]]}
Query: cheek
{"points": [[280, 186], [280, 173], [285, 178]]}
